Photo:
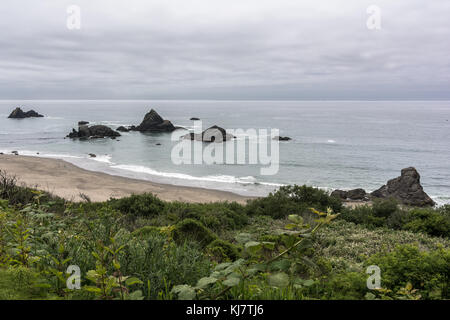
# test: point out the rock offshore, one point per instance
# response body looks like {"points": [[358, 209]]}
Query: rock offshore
{"points": [[94, 132], [212, 134], [18, 113], [153, 122], [279, 138]]}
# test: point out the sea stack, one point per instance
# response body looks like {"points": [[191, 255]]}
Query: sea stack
{"points": [[213, 134], [94, 132], [153, 122], [18, 113]]}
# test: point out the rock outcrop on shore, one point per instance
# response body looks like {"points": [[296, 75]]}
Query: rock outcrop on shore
{"points": [[356, 194], [153, 122], [18, 113], [93, 132], [406, 188], [212, 134]]}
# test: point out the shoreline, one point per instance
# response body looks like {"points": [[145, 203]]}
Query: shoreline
{"points": [[67, 181]]}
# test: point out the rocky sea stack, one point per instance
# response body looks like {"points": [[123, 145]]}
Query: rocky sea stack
{"points": [[213, 134], [406, 188], [153, 122], [18, 113], [93, 132]]}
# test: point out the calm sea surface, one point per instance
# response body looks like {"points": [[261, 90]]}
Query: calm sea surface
{"points": [[336, 144]]}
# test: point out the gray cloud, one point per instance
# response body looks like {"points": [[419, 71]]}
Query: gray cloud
{"points": [[215, 49]]}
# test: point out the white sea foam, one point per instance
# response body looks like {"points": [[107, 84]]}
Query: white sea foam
{"points": [[103, 158], [211, 178], [32, 153], [53, 118]]}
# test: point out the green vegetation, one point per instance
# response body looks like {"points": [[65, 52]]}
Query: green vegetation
{"points": [[297, 243], [389, 214]]}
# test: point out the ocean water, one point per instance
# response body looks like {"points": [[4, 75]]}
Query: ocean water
{"points": [[336, 144]]}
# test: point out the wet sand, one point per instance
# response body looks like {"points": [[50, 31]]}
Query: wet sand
{"points": [[68, 181]]}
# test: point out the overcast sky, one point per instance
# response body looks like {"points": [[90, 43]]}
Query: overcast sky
{"points": [[225, 49]]}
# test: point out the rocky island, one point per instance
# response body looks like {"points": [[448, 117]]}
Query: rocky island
{"points": [[93, 132], [18, 113], [212, 134]]}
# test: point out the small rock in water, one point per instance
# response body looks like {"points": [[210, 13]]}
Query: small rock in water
{"points": [[195, 119], [15, 153], [282, 138], [122, 129], [82, 123], [92, 155], [158, 144]]}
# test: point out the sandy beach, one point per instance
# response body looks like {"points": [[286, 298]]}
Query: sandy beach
{"points": [[66, 180]]}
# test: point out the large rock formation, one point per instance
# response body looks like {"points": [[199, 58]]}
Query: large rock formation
{"points": [[406, 188], [18, 113], [154, 123], [213, 134], [356, 194], [94, 132]]}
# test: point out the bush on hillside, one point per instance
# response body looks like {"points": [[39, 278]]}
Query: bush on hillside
{"points": [[144, 205], [293, 200], [427, 271], [223, 251], [192, 230]]}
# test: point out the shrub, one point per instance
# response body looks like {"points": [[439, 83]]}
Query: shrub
{"points": [[192, 230], [362, 215], [21, 283], [145, 232], [427, 271], [16, 194], [219, 215], [223, 251], [146, 205], [384, 208], [161, 265], [293, 200], [432, 222], [386, 213], [343, 286]]}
